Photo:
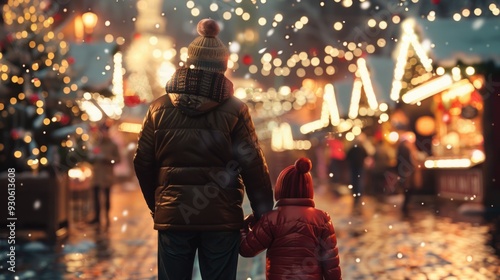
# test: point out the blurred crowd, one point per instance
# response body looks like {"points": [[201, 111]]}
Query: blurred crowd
{"points": [[370, 165]]}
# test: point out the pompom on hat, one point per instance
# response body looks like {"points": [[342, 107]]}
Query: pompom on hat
{"points": [[207, 51], [295, 181]]}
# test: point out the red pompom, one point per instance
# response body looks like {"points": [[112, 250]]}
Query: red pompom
{"points": [[303, 165], [208, 28]]}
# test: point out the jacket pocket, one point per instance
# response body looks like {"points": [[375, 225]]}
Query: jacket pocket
{"points": [[159, 192]]}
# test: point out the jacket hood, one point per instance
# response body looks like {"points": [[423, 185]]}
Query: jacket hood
{"points": [[196, 91]]}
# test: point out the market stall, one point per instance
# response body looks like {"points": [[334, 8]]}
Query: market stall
{"points": [[461, 91]]}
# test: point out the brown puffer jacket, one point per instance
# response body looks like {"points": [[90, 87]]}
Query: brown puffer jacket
{"points": [[197, 153], [300, 242]]}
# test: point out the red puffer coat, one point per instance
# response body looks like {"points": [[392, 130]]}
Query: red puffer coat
{"points": [[300, 242]]}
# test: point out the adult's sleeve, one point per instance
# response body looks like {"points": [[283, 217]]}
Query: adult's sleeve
{"points": [[257, 239], [144, 161], [253, 166], [329, 253]]}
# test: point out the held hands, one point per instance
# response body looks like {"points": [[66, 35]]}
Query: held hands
{"points": [[248, 223]]}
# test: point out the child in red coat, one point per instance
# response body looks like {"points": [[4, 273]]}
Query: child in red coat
{"points": [[300, 239]]}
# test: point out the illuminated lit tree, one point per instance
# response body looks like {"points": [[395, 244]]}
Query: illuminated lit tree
{"points": [[413, 66], [40, 120]]}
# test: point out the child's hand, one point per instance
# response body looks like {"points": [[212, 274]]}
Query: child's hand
{"points": [[249, 222]]}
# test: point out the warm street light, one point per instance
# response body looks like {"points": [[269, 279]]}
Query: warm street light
{"points": [[89, 20]]}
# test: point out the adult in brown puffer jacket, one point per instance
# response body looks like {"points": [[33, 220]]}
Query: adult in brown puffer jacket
{"points": [[300, 239], [197, 154]]}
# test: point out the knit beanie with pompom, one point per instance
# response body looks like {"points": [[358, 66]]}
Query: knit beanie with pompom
{"points": [[295, 181], [207, 52]]}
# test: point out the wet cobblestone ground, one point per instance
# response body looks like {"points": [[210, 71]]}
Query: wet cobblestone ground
{"points": [[434, 242]]}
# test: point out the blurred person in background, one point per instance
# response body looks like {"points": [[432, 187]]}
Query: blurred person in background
{"points": [[336, 154], [104, 155], [356, 156], [380, 165], [408, 167]]}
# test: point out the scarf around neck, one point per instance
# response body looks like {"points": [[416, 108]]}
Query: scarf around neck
{"points": [[212, 85]]}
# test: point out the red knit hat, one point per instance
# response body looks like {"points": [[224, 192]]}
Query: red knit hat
{"points": [[295, 181]]}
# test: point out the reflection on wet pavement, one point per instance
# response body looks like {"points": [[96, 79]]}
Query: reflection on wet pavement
{"points": [[374, 243]]}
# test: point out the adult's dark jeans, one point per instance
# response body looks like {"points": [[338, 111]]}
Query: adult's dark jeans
{"points": [[217, 254]]}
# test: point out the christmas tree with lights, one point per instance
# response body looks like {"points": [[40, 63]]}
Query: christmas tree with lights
{"points": [[40, 121], [413, 66]]}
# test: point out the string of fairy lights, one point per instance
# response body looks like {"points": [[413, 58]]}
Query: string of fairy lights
{"points": [[321, 61], [274, 62]]}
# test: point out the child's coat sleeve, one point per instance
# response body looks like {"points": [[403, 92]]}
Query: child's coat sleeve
{"points": [[330, 260], [257, 239]]}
